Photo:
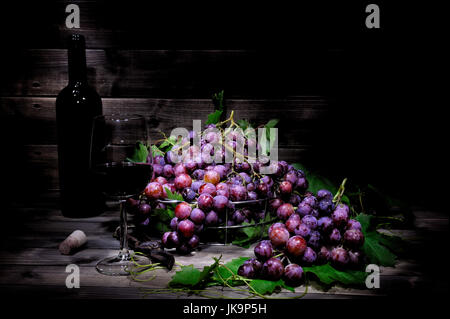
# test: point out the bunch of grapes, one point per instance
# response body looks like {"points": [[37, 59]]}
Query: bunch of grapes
{"points": [[315, 232]]}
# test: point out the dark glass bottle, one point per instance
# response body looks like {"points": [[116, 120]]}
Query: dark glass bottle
{"points": [[76, 106]]}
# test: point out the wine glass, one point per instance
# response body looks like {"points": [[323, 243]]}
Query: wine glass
{"points": [[114, 141]]}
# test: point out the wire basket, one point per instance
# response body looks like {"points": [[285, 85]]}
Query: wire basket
{"points": [[208, 232]]}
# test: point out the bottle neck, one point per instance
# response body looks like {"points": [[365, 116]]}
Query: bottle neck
{"points": [[77, 61]]}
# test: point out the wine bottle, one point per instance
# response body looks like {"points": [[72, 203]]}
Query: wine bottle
{"points": [[76, 106]]}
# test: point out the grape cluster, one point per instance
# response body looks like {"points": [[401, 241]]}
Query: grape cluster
{"points": [[315, 232]]}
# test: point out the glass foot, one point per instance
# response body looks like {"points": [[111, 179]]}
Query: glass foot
{"points": [[121, 264]]}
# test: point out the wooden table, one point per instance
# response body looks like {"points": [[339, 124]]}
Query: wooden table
{"points": [[31, 265]]}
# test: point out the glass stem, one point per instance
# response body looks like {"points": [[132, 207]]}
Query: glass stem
{"points": [[124, 253]]}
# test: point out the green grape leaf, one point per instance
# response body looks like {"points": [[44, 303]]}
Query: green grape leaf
{"points": [[223, 274], [156, 151], [187, 276], [140, 154], [217, 99], [214, 117], [328, 275], [174, 196], [248, 235], [272, 123], [243, 124], [317, 182]]}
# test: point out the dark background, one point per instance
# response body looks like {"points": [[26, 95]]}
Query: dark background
{"points": [[352, 101]]}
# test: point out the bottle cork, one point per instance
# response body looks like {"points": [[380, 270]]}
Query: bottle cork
{"points": [[72, 242]]}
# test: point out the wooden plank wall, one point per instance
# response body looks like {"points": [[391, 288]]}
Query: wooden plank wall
{"points": [[170, 86]]}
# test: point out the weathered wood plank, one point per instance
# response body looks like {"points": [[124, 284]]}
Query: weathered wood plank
{"points": [[300, 118], [173, 73]]}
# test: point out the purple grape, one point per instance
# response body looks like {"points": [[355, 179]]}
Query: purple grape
{"points": [[238, 193], [186, 228], [205, 202], [263, 250], [335, 236], [293, 274], [211, 218], [293, 222], [197, 216], [310, 200], [275, 203], [296, 246], [188, 194], [168, 171], [207, 188], [353, 238], [340, 215], [222, 170], [303, 230], [325, 224], [247, 270], [353, 224], [144, 209], [272, 269], [302, 183], [314, 239], [174, 223], [252, 196], [196, 185], [198, 174], [354, 257], [173, 239], [339, 256], [309, 256], [324, 194], [291, 177], [220, 203], [285, 211], [251, 187], [194, 241], [184, 249], [295, 199], [158, 169], [257, 265], [326, 206], [267, 180], [310, 221], [238, 217], [275, 225], [279, 237], [164, 240], [285, 188], [304, 209], [324, 255]]}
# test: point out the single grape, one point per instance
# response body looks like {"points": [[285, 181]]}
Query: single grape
{"points": [[168, 171], [324, 194], [179, 169], [198, 174], [222, 186], [353, 238], [222, 170], [247, 270], [304, 209], [353, 224], [293, 274], [161, 180], [325, 224], [285, 188], [267, 180], [158, 169], [188, 194], [211, 218], [310, 221], [212, 177], [153, 190], [326, 206], [302, 184], [159, 160], [174, 223], [310, 200], [257, 265], [197, 216], [251, 187], [340, 215], [144, 209], [173, 239], [291, 177], [184, 249], [293, 222], [279, 237], [272, 269], [220, 203], [186, 228], [196, 185], [183, 210], [295, 199], [182, 181], [276, 225], [263, 250], [296, 246], [275, 203], [164, 240], [238, 193], [194, 241], [314, 239], [309, 256], [324, 255], [302, 230], [205, 202], [335, 236], [339, 256], [284, 211], [252, 196], [238, 217], [262, 189], [190, 165], [207, 188]]}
